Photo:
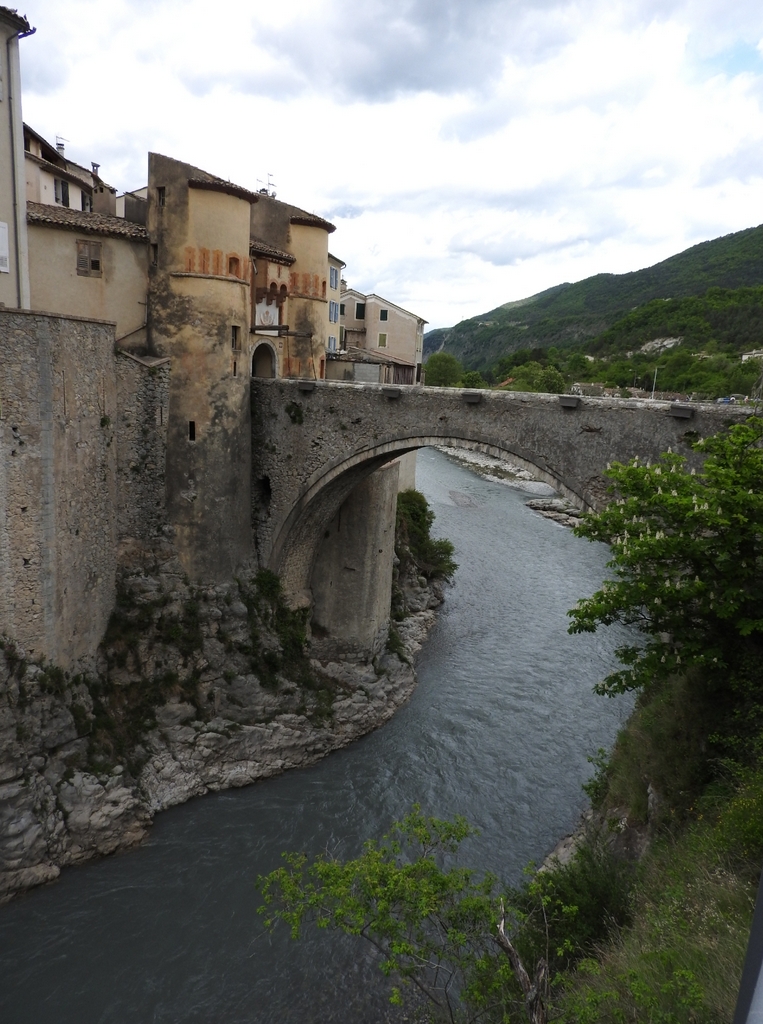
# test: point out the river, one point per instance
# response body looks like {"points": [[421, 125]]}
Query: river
{"points": [[498, 730]]}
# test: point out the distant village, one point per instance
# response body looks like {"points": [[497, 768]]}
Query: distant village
{"points": [[71, 244]]}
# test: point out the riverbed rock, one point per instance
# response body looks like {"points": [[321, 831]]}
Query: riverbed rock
{"points": [[220, 726], [560, 510]]}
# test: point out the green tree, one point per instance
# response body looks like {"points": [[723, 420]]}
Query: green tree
{"points": [[687, 555], [473, 379], [443, 370], [430, 924], [533, 376], [438, 928]]}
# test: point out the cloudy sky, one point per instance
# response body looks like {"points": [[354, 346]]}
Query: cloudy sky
{"points": [[469, 153]]}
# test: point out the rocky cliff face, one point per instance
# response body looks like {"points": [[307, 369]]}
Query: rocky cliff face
{"points": [[196, 690]]}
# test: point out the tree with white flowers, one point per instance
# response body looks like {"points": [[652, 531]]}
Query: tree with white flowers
{"points": [[687, 561]]}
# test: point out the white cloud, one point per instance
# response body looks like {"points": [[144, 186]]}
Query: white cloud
{"points": [[470, 154]]}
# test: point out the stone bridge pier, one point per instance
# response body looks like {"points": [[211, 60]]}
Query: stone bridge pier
{"points": [[324, 477]]}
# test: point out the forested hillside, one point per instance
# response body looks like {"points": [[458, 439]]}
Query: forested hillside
{"points": [[569, 315]]}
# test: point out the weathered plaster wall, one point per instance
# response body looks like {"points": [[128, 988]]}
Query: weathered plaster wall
{"points": [[192, 313], [58, 492], [352, 578], [119, 294], [314, 448]]}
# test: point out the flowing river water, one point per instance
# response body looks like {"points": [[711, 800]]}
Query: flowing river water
{"points": [[498, 730]]}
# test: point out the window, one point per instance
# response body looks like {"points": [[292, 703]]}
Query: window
{"points": [[382, 343], [341, 337], [235, 338], [62, 191], [161, 195], [332, 343], [154, 254], [5, 263], [192, 430], [233, 266], [360, 310], [87, 203], [341, 309], [88, 259], [333, 312], [235, 374], [333, 277], [383, 314]]}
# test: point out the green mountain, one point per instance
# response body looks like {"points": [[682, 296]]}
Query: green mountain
{"points": [[570, 313]]}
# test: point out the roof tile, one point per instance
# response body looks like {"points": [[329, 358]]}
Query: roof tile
{"points": [[87, 223]]}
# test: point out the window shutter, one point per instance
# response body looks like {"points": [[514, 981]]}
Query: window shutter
{"points": [[5, 267], [95, 258], [83, 259]]}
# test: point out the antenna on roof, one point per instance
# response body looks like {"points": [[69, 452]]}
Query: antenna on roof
{"points": [[269, 189]]}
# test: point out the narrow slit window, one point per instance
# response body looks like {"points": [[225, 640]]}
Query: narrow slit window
{"points": [[161, 195], [154, 254], [235, 338], [192, 430], [234, 369]]}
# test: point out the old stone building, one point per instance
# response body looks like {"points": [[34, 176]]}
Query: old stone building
{"points": [[199, 301], [293, 275]]}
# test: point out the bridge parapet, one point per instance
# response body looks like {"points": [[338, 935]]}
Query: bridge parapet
{"points": [[312, 447]]}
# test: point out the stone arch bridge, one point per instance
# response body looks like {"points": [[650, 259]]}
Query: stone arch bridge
{"points": [[325, 479]]}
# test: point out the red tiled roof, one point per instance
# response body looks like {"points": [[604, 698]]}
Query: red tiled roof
{"points": [[213, 184], [259, 247], [87, 223], [311, 220]]}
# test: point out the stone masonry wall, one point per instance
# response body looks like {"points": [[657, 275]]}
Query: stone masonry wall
{"points": [[141, 439], [58, 490]]}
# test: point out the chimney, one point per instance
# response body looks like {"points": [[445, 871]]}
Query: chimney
{"points": [[60, 147]]}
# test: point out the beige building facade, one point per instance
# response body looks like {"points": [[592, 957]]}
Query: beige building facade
{"points": [[14, 268], [381, 328], [290, 256], [89, 265]]}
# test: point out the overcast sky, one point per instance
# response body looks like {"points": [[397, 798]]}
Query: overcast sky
{"points": [[469, 153]]}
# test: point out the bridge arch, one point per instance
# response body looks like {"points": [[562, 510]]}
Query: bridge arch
{"points": [[314, 442], [296, 539]]}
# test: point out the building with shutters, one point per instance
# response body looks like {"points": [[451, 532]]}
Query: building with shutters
{"points": [[373, 328]]}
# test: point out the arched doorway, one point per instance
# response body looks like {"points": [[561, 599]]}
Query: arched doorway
{"points": [[263, 361]]}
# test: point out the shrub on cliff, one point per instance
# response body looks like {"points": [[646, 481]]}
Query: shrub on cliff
{"points": [[433, 558]]}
